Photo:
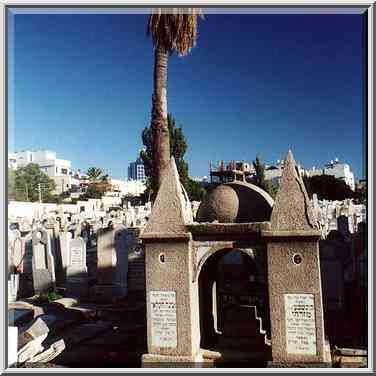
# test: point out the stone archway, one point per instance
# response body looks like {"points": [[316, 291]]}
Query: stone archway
{"points": [[230, 317]]}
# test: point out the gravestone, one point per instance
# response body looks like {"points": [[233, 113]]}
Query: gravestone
{"points": [[64, 240], [295, 296], [13, 285], [11, 238], [121, 250], [53, 234], [42, 262], [112, 264], [344, 226], [86, 234], [332, 258], [136, 260], [15, 257], [106, 256], [26, 288], [77, 275]]}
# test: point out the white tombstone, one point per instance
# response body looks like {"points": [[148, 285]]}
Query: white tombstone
{"points": [[64, 238], [13, 284]]}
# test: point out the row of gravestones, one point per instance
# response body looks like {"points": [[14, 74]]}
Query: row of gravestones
{"points": [[46, 257], [43, 259]]}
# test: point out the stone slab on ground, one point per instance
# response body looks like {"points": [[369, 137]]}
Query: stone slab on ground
{"points": [[44, 324], [65, 302], [84, 332], [82, 311], [350, 358], [72, 307], [50, 353], [38, 309], [19, 316], [31, 349], [39, 327]]}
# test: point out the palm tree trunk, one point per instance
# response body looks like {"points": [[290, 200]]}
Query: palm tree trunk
{"points": [[159, 125]]}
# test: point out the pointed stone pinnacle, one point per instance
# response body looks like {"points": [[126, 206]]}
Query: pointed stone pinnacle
{"points": [[292, 209], [171, 210]]}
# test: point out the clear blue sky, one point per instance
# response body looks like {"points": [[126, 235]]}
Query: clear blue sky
{"points": [[81, 85]]}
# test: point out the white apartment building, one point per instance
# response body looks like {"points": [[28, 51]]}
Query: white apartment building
{"points": [[57, 169], [131, 187], [338, 170], [273, 172]]}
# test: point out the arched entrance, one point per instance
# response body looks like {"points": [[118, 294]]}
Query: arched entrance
{"points": [[233, 300]]}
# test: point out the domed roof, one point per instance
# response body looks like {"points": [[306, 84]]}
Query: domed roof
{"points": [[236, 202]]}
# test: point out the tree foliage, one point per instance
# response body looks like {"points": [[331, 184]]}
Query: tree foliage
{"points": [[328, 187], [178, 148], [25, 183], [94, 173], [260, 180], [99, 184], [95, 190], [174, 29]]}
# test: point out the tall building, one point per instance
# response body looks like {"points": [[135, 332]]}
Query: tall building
{"points": [[136, 170]]}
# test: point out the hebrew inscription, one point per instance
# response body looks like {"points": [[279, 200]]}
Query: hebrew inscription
{"points": [[300, 324], [163, 318]]}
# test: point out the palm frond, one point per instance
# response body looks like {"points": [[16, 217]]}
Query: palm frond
{"points": [[174, 29]]}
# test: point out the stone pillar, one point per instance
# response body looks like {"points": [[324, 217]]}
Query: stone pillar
{"points": [[173, 329], [294, 280]]}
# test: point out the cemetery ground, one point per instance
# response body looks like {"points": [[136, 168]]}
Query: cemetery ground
{"points": [[91, 334], [96, 335]]}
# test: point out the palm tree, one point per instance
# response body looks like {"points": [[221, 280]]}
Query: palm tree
{"points": [[171, 30], [94, 173]]}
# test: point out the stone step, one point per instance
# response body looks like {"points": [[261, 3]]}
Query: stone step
{"points": [[257, 342], [243, 329], [240, 313]]}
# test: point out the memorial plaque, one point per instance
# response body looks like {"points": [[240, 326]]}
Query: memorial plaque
{"points": [[163, 318], [300, 324], [76, 257]]}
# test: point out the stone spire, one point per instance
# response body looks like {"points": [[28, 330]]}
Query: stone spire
{"points": [[172, 209], [292, 209]]}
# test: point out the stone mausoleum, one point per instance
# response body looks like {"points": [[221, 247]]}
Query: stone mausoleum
{"points": [[241, 283]]}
